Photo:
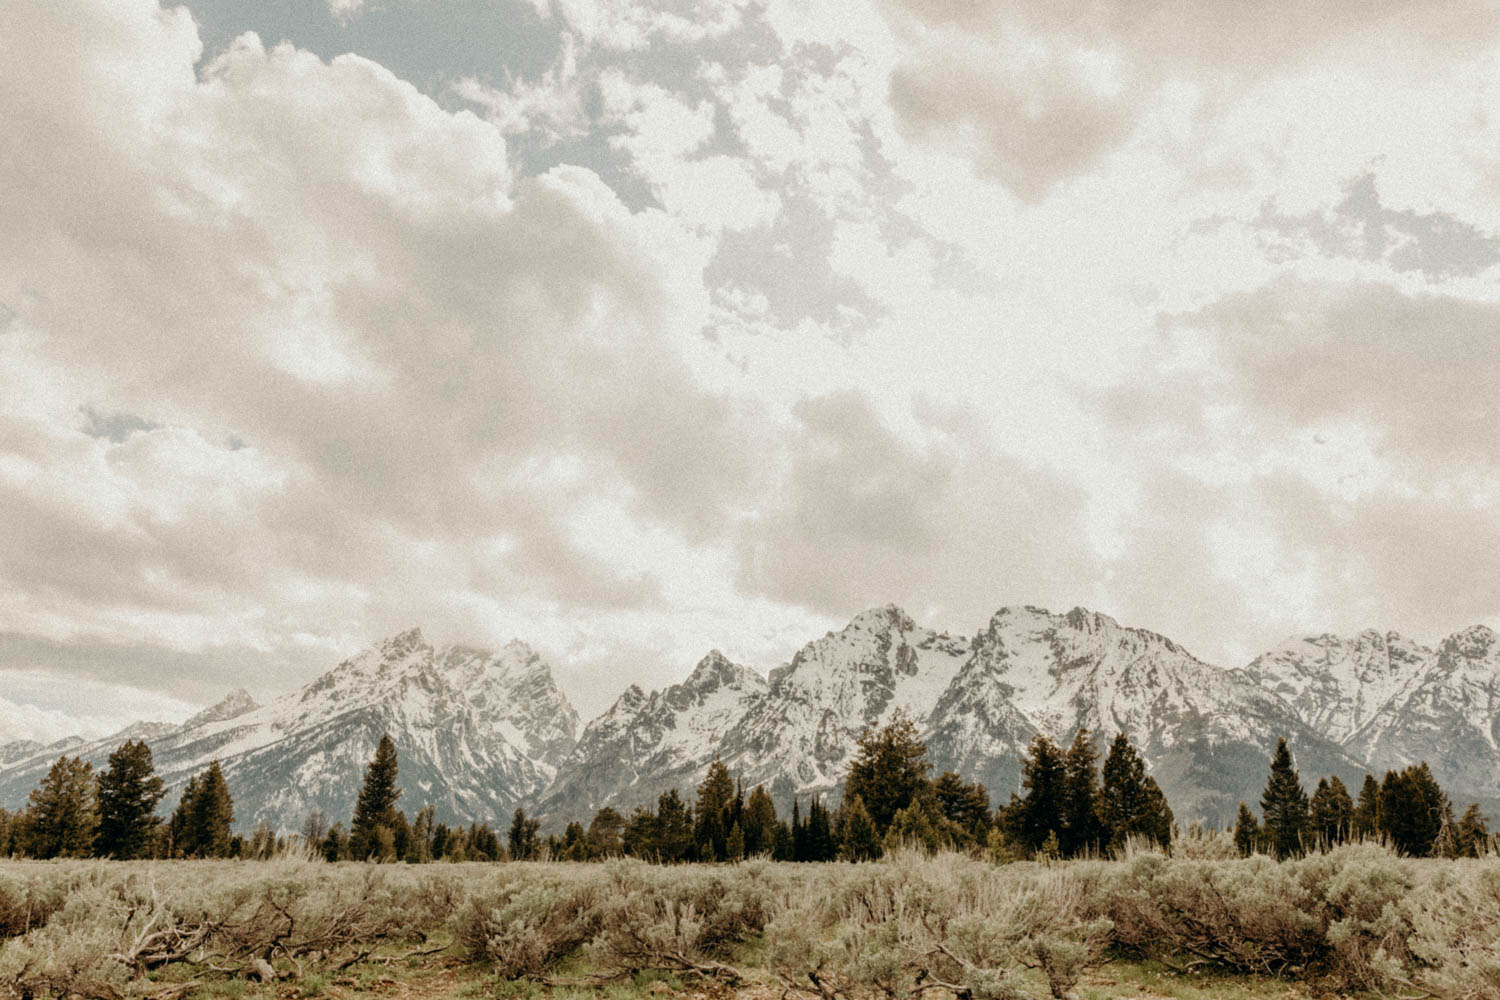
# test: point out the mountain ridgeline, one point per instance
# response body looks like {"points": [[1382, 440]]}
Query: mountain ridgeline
{"points": [[480, 734]]}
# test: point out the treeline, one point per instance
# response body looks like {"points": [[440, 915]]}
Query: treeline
{"points": [[76, 813], [1069, 806], [1408, 810]]}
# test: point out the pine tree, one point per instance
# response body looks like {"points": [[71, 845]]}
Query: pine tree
{"points": [[419, 841], [1473, 833], [1081, 830], [888, 770], [201, 826], [605, 834], [919, 826], [1283, 805], [376, 805], [129, 790], [782, 848], [674, 828], [735, 847], [1365, 821], [638, 839], [62, 813], [965, 806], [1126, 805], [858, 839], [523, 836], [713, 813], [820, 843], [760, 822], [335, 846], [1246, 831], [1331, 812], [212, 818], [1157, 822], [799, 832], [1412, 810], [1043, 775]]}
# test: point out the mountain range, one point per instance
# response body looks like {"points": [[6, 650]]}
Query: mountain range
{"points": [[481, 733]]}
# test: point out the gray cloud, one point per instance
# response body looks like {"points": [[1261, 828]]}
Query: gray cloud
{"points": [[1359, 227], [1418, 369], [862, 517]]}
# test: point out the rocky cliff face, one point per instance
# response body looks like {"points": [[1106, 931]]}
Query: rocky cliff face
{"points": [[480, 733]]}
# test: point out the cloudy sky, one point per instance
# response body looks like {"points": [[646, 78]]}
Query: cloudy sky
{"points": [[635, 330]]}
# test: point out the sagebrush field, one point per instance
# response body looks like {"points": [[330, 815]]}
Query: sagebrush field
{"points": [[1355, 920]]}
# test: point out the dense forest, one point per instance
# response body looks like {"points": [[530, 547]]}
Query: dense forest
{"points": [[1069, 806]]}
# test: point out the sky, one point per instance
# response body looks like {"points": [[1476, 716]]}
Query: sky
{"points": [[636, 330]]}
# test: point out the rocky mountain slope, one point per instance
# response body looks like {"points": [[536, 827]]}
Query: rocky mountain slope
{"points": [[480, 733], [1205, 732], [477, 733], [1338, 684], [645, 744]]}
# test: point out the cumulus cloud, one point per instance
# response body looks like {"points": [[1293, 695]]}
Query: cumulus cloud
{"points": [[947, 527], [372, 357], [735, 320], [1037, 93]]}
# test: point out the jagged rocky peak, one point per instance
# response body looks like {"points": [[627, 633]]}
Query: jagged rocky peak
{"points": [[1477, 642], [233, 705], [716, 670], [1338, 684], [886, 618]]}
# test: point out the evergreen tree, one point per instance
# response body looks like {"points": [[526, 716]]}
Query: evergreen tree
{"points": [[1473, 833], [820, 843], [1043, 776], [419, 842], [674, 828], [1412, 810], [713, 814], [1283, 805], [1365, 821], [760, 823], [638, 839], [1157, 823], [1246, 831], [965, 806], [202, 825], [1331, 812], [1129, 803], [917, 826], [523, 836], [736, 844], [376, 805], [782, 847], [63, 812], [129, 790], [799, 832], [1081, 830], [888, 770], [858, 839], [605, 835], [335, 845]]}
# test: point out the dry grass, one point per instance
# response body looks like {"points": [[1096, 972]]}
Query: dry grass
{"points": [[1357, 920]]}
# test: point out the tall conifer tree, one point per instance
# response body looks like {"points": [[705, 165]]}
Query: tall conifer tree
{"points": [[1283, 805], [129, 790], [62, 814], [376, 805]]}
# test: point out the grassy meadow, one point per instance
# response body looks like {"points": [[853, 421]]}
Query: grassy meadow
{"points": [[1201, 923]]}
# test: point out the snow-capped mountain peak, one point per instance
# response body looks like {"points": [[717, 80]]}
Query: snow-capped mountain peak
{"points": [[233, 705], [1338, 684]]}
